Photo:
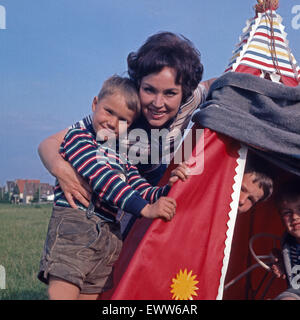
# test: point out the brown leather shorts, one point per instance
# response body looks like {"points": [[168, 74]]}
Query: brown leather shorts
{"points": [[79, 250]]}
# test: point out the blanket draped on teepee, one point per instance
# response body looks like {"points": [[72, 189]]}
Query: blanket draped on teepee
{"points": [[257, 112]]}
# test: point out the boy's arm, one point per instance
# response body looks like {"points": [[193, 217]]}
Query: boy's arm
{"points": [[150, 193], [71, 183], [91, 162], [146, 190]]}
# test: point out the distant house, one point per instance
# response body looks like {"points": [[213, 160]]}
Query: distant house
{"points": [[46, 192], [27, 191], [31, 191]]}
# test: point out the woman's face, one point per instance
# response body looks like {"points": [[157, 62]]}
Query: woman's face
{"points": [[160, 97]]}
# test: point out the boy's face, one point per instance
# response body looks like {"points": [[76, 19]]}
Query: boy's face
{"points": [[111, 116], [290, 216], [250, 193]]}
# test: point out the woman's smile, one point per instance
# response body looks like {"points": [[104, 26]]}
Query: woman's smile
{"points": [[156, 114]]}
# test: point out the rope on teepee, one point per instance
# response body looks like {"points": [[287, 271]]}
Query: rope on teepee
{"points": [[266, 6], [272, 43]]}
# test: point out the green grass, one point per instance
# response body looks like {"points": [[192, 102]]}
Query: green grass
{"points": [[22, 234]]}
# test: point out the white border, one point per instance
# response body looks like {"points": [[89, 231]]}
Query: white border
{"points": [[241, 161]]}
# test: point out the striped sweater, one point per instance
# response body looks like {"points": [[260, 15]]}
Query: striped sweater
{"points": [[101, 167]]}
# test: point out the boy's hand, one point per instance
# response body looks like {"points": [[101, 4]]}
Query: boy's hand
{"points": [[181, 172], [163, 208], [277, 267]]}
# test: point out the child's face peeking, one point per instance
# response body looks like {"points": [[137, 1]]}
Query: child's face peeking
{"points": [[250, 193], [290, 215], [111, 116]]}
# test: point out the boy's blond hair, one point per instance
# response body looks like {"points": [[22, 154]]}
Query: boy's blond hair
{"points": [[124, 86]]}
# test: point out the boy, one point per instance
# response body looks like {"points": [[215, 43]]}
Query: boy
{"points": [[257, 184], [288, 265], [83, 244]]}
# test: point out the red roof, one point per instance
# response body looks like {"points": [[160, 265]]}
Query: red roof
{"points": [[21, 183]]}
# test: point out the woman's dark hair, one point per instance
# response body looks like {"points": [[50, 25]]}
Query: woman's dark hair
{"points": [[166, 49]]}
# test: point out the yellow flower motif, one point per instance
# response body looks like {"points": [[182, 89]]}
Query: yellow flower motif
{"points": [[184, 286]]}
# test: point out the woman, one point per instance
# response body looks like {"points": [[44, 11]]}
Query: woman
{"points": [[167, 72]]}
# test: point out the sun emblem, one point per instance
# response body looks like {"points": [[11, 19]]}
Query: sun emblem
{"points": [[184, 286]]}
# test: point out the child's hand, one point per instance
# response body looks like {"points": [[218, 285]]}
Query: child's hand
{"points": [[277, 266], [181, 172], [163, 208]]}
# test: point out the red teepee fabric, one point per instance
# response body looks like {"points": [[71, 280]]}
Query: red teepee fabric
{"points": [[192, 244]]}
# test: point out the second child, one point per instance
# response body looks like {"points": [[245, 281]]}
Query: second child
{"points": [[288, 262]]}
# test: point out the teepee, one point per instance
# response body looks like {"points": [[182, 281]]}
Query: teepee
{"points": [[263, 49]]}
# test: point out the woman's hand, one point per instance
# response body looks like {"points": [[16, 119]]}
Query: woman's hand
{"points": [[181, 172], [73, 185]]}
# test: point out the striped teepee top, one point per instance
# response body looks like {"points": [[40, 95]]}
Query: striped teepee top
{"points": [[263, 47]]}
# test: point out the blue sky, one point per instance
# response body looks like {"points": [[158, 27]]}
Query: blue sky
{"points": [[54, 56]]}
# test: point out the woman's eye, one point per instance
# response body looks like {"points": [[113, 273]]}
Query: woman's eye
{"points": [[148, 90], [170, 94]]}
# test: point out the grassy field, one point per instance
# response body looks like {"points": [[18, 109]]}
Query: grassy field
{"points": [[22, 235]]}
